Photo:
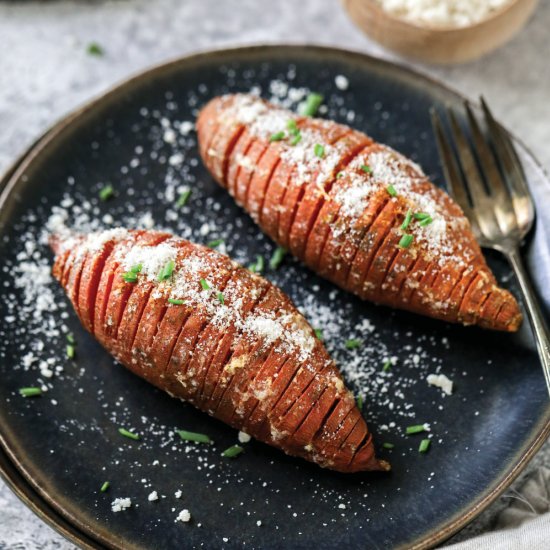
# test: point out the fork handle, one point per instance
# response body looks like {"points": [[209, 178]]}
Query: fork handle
{"points": [[534, 312]]}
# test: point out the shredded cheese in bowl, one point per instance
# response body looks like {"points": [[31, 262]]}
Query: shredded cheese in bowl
{"points": [[443, 13]]}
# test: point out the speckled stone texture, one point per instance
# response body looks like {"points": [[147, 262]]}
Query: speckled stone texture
{"points": [[45, 72]]}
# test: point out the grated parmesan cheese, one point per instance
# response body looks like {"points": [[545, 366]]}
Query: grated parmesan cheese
{"points": [[440, 381], [184, 516], [443, 13], [121, 504]]}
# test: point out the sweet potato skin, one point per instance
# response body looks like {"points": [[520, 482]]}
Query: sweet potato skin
{"points": [[336, 215], [248, 358]]}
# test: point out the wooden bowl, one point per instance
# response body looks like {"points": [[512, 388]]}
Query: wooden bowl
{"points": [[436, 44]]}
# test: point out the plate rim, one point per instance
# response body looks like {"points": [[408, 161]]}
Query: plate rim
{"points": [[54, 514]]}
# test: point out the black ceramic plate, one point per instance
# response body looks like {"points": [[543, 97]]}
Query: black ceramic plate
{"points": [[66, 443]]}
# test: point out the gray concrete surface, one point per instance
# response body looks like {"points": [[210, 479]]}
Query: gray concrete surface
{"points": [[45, 72]]}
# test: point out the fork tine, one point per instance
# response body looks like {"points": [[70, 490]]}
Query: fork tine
{"points": [[473, 178], [450, 166], [503, 206], [511, 165], [485, 156]]}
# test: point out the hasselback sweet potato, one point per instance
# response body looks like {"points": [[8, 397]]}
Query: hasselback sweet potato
{"points": [[197, 325], [355, 211]]}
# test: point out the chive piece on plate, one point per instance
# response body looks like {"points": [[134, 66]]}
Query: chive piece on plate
{"points": [[70, 338], [215, 243], [105, 486], [319, 150], [166, 272], [366, 168], [277, 257], [359, 402], [106, 193], [183, 198], [387, 365], [388, 445], [296, 139], [221, 298], [424, 445], [130, 277], [407, 220], [340, 175], [126, 433], [204, 284], [94, 48], [311, 104], [391, 191], [405, 241], [277, 136], [136, 268], [233, 451], [175, 302], [353, 343], [426, 221], [257, 267], [30, 392], [193, 436], [416, 429], [70, 351]]}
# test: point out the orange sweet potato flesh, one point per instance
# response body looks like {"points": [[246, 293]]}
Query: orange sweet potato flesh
{"points": [[325, 198], [216, 335]]}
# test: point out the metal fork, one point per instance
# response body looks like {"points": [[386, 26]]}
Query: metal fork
{"points": [[487, 180]]}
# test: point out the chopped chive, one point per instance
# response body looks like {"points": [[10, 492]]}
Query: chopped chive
{"points": [[296, 139], [30, 392], [292, 127], [405, 241], [204, 284], [183, 198], [130, 277], [193, 436], [416, 429], [221, 298], [319, 333], [278, 136], [353, 343], [105, 486], [340, 175], [319, 150], [136, 268], [215, 243], [175, 302], [359, 401], [70, 338], [311, 104], [70, 351], [366, 168], [421, 216], [407, 220], [259, 266], [106, 193], [391, 191], [233, 451], [277, 257], [388, 445], [426, 221], [126, 433], [94, 48], [166, 272], [424, 445], [387, 365]]}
